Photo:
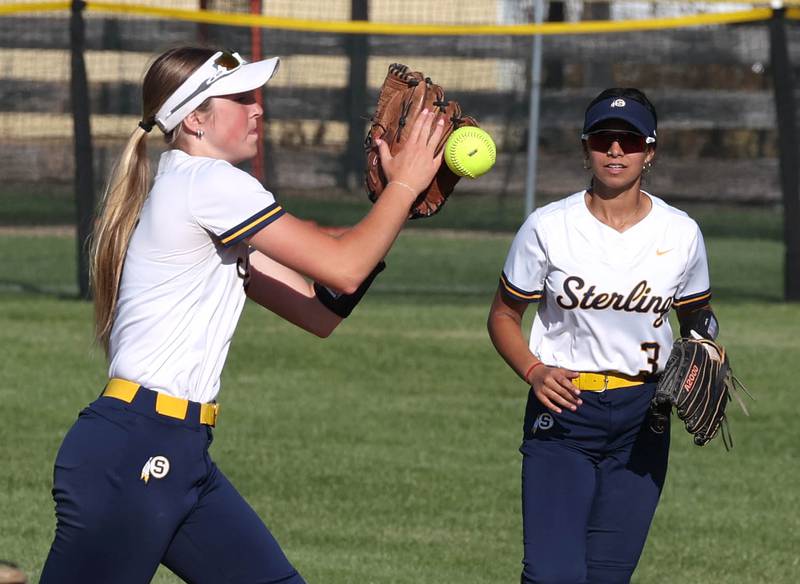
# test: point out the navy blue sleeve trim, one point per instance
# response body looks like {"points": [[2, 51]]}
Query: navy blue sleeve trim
{"points": [[518, 294], [251, 225], [693, 300]]}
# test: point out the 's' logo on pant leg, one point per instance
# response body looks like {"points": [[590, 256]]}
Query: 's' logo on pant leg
{"points": [[543, 422], [156, 466]]}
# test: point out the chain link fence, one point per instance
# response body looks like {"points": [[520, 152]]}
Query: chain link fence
{"points": [[712, 86]]}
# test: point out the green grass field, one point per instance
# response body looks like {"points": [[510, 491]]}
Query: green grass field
{"points": [[388, 452]]}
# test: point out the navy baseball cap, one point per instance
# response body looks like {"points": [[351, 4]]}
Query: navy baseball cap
{"points": [[627, 110]]}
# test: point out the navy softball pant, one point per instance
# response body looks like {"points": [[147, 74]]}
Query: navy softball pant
{"points": [[134, 489], [591, 480]]}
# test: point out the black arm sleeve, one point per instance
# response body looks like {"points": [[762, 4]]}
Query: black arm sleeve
{"points": [[702, 321], [343, 304]]}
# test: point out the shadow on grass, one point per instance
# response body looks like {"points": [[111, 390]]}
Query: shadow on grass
{"points": [[731, 295], [30, 205], [10, 287]]}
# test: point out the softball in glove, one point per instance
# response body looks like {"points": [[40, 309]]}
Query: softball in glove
{"points": [[403, 96]]}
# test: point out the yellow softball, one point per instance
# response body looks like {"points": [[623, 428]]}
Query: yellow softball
{"points": [[470, 152]]}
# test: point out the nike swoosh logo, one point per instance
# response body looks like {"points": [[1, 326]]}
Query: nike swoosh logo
{"points": [[662, 252]]}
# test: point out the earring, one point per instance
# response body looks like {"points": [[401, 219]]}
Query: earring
{"points": [[647, 166], [199, 134], [586, 165]]}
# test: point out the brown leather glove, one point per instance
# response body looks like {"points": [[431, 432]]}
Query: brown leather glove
{"points": [[403, 96]]}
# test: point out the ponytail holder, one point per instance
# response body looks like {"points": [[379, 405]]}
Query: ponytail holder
{"points": [[145, 126]]}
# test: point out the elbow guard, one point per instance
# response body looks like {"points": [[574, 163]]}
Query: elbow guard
{"points": [[343, 304], [702, 322]]}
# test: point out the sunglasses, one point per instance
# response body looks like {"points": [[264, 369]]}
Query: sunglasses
{"points": [[215, 68], [185, 98], [228, 61], [629, 142]]}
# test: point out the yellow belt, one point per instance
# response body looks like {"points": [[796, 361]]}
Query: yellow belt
{"points": [[166, 405], [604, 381]]}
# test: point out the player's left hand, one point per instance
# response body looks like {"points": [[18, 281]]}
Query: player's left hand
{"points": [[553, 388]]}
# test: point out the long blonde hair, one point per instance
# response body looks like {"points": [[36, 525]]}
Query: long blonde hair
{"points": [[129, 185]]}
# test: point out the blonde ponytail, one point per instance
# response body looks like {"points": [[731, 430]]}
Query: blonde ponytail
{"points": [[122, 202], [129, 184]]}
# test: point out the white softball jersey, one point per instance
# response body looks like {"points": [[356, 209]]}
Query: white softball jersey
{"points": [[182, 290], [603, 296]]}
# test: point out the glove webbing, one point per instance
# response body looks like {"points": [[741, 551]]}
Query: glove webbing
{"points": [[401, 122], [734, 388]]}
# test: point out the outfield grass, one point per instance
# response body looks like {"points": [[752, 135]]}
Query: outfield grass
{"points": [[388, 453], [54, 205]]}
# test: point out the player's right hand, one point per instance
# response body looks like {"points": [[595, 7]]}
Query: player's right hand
{"points": [[553, 387], [417, 162]]}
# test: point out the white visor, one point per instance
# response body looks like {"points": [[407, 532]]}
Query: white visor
{"points": [[222, 74]]}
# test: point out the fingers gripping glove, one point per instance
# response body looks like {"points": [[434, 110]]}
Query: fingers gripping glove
{"points": [[403, 96], [698, 381]]}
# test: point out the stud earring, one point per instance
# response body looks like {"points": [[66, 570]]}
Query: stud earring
{"points": [[199, 134]]}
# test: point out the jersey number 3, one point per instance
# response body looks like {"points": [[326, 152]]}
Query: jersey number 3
{"points": [[652, 350]]}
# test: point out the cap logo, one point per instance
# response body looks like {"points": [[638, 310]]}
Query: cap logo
{"points": [[618, 103]]}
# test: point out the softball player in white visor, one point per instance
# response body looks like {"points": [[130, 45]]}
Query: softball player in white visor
{"points": [[173, 262]]}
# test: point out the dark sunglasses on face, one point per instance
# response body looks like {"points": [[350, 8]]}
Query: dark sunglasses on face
{"points": [[629, 142]]}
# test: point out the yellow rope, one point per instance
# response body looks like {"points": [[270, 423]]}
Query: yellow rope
{"points": [[34, 7], [388, 28]]}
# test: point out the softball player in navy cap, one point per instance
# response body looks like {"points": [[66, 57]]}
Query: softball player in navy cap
{"points": [[134, 485], [604, 266]]}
